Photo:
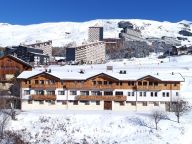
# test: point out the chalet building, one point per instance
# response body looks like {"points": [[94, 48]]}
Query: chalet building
{"points": [[88, 53], [98, 91], [45, 46], [11, 66], [32, 56]]}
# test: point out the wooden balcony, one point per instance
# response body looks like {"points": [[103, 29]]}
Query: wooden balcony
{"points": [[42, 86], [43, 97], [148, 88], [105, 98]]}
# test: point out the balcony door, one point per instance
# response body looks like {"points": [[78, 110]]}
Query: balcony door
{"points": [[107, 105]]}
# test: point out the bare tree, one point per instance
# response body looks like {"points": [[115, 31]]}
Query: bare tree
{"points": [[157, 116], [180, 107], [4, 118]]}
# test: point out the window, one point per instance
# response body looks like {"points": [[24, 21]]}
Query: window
{"points": [[156, 104], [175, 84], [105, 83], [119, 83], [41, 102], [133, 94], [64, 102], [97, 102], [96, 93], [50, 92], [155, 94], [86, 93], [144, 94], [108, 93], [121, 103], [30, 102], [140, 94], [110, 83], [53, 102], [75, 102], [129, 93], [133, 103], [118, 93], [144, 103], [73, 92], [52, 81], [61, 92], [144, 83], [165, 84], [87, 103], [94, 82], [167, 94], [155, 83], [163, 94], [177, 94], [131, 83], [26, 92], [99, 82], [139, 83], [151, 94], [39, 92], [41, 82], [150, 83], [36, 82]]}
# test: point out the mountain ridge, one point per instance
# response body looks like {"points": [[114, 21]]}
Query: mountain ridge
{"points": [[62, 33]]}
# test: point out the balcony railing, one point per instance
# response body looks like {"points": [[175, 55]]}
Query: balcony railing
{"points": [[43, 97], [42, 86], [105, 98], [148, 88]]}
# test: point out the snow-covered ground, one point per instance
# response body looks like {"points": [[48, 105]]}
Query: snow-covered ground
{"points": [[57, 127], [62, 33]]}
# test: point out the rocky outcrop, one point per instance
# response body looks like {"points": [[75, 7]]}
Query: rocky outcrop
{"points": [[185, 33]]}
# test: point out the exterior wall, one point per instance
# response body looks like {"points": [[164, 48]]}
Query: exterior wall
{"points": [[91, 53], [70, 54], [124, 96], [95, 34], [59, 106], [10, 66], [45, 46]]}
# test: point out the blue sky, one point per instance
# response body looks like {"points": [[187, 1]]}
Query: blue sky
{"points": [[38, 11]]}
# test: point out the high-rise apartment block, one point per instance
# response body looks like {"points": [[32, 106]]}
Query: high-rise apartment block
{"points": [[95, 33]]}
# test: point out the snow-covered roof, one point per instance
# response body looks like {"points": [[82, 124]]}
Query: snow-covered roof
{"points": [[76, 75], [38, 54]]}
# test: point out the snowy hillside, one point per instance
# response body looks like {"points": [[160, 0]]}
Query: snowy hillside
{"points": [[65, 32]]}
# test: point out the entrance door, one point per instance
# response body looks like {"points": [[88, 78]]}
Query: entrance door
{"points": [[107, 105]]}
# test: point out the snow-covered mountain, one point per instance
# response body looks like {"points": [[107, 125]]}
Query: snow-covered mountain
{"points": [[63, 33]]}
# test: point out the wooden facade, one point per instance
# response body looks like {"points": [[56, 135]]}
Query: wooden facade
{"points": [[103, 85], [10, 65]]}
